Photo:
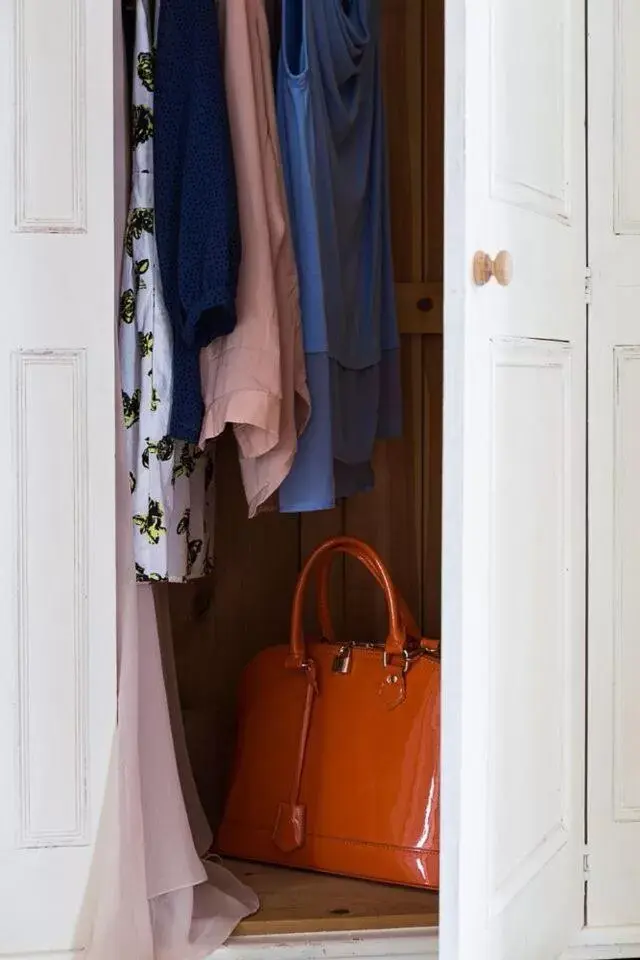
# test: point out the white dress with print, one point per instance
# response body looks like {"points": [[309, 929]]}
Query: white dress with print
{"points": [[171, 481]]}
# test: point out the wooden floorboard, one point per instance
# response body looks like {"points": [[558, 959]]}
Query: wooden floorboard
{"points": [[293, 901]]}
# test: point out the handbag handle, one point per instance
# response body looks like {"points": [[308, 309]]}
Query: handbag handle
{"points": [[396, 641], [324, 610], [289, 829]]}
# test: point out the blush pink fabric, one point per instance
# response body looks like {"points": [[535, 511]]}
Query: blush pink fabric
{"points": [[255, 377], [149, 895]]}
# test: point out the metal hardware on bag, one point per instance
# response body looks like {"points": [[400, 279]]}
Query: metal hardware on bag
{"points": [[431, 654], [407, 657], [356, 645], [342, 660]]}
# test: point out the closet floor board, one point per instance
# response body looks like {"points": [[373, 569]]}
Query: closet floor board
{"points": [[293, 901]]}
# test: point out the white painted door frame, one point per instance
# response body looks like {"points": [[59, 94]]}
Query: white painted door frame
{"points": [[613, 822], [514, 525], [57, 550]]}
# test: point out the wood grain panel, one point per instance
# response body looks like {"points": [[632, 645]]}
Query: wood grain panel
{"points": [[419, 307], [403, 65], [390, 517], [316, 527], [433, 133], [431, 498], [292, 901], [243, 608]]}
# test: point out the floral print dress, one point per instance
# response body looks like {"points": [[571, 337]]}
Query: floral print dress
{"points": [[171, 481]]}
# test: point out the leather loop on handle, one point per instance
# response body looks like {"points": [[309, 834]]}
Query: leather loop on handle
{"points": [[396, 638], [324, 610]]}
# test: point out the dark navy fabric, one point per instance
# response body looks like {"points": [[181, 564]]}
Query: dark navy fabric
{"points": [[197, 228], [331, 123]]}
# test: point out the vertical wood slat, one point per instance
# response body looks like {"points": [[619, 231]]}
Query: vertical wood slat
{"points": [[255, 574], [390, 517], [431, 495], [220, 623], [433, 139], [402, 72], [432, 346], [316, 527]]}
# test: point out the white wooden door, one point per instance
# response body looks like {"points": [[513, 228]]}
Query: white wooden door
{"points": [[514, 480], [613, 902], [57, 569]]}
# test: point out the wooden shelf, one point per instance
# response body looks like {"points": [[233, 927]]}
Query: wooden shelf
{"points": [[293, 901]]}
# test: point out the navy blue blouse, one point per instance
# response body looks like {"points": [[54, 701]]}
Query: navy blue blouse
{"points": [[196, 207]]}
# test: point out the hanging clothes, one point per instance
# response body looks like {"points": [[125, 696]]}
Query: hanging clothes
{"points": [[196, 203], [330, 115], [255, 377], [171, 482], [149, 896]]}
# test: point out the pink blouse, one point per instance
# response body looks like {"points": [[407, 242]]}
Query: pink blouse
{"points": [[255, 377]]}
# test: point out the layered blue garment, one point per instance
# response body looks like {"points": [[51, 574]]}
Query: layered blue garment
{"points": [[197, 225], [331, 124]]}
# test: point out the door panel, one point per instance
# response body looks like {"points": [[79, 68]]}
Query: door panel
{"points": [[57, 566], [614, 465], [514, 482], [532, 473]]}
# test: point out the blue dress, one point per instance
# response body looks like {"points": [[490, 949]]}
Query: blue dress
{"points": [[197, 227], [331, 122]]}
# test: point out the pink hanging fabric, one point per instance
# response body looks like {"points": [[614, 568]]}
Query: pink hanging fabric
{"points": [[151, 897], [255, 377], [200, 829], [154, 899]]}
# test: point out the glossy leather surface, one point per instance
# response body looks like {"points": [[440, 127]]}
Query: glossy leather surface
{"points": [[338, 772]]}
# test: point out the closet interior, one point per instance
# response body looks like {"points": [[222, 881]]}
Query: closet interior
{"points": [[222, 621]]}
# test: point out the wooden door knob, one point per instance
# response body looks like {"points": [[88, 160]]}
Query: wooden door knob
{"points": [[501, 267]]}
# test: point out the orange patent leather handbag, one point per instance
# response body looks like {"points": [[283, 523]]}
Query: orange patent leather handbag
{"points": [[337, 764]]}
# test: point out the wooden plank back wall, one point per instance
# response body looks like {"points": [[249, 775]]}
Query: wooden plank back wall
{"points": [[221, 622]]}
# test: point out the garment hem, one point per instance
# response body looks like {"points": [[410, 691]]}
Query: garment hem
{"points": [[255, 415]]}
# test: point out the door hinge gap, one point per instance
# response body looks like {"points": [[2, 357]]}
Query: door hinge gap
{"points": [[586, 863], [587, 285]]}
